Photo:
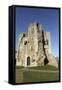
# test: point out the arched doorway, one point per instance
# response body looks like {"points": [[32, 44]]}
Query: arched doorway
{"points": [[28, 61]]}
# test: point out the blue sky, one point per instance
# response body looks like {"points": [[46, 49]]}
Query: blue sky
{"points": [[49, 18]]}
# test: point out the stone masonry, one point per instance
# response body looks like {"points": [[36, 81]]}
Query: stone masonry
{"points": [[34, 47]]}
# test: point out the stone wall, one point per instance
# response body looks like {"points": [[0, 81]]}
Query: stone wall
{"points": [[34, 46]]}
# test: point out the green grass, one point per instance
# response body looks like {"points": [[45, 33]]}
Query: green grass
{"points": [[31, 76], [46, 67], [19, 67]]}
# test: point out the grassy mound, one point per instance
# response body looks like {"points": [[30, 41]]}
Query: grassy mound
{"points": [[23, 76], [46, 67], [31, 76], [19, 67]]}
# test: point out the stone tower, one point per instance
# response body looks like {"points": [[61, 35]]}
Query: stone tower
{"points": [[34, 47]]}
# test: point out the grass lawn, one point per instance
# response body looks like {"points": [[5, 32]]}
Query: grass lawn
{"points": [[19, 67], [46, 67], [31, 76], [40, 76]]}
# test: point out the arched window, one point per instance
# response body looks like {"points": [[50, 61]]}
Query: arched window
{"points": [[24, 35], [25, 42]]}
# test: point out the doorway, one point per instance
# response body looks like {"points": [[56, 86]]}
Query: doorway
{"points": [[28, 61], [46, 61]]}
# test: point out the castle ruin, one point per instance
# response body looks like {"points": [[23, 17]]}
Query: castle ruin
{"points": [[34, 48]]}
